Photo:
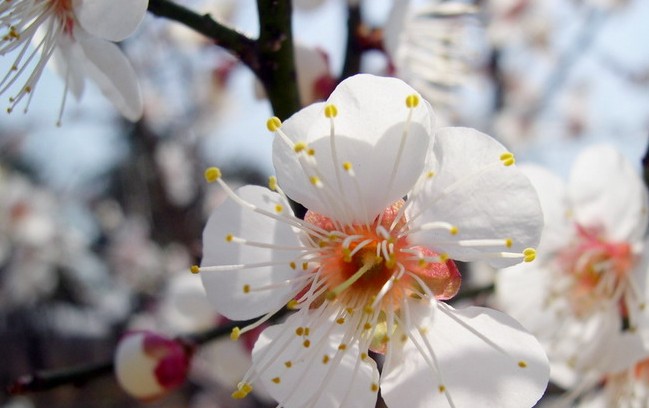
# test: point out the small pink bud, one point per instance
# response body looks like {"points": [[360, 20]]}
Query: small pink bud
{"points": [[148, 366]]}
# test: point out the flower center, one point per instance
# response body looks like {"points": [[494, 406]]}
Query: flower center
{"points": [[63, 10], [599, 271], [377, 265]]}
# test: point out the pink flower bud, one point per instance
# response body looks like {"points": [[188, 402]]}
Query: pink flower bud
{"points": [[148, 366]]}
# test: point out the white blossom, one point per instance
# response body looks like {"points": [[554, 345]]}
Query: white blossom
{"points": [[368, 270]]}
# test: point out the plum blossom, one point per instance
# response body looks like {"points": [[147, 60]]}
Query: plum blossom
{"points": [[78, 36], [391, 202], [148, 366], [585, 295], [432, 47]]}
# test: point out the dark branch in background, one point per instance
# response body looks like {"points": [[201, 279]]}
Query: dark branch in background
{"points": [[45, 380], [354, 48], [277, 57], [238, 44], [271, 57]]}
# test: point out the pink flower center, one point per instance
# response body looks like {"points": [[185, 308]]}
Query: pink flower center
{"points": [[371, 263], [599, 270], [64, 11]]}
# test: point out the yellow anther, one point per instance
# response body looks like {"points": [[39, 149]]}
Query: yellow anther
{"points": [[529, 254], [443, 257], [325, 359], [322, 244], [340, 320], [273, 124], [245, 387], [292, 304], [272, 183], [299, 146], [28, 89], [423, 331], [374, 387], [310, 151], [229, 238], [288, 364], [305, 266], [195, 269], [422, 263], [522, 364], [246, 288], [430, 174], [315, 180], [453, 230], [509, 242], [507, 159], [306, 343], [385, 339], [404, 338], [212, 174], [276, 380], [347, 255], [239, 394], [368, 309], [235, 333], [363, 356], [330, 295], [330, 111], [292, 265], [367, 326], [342, 347], [306, 331], [412, 100], [299, 331], [347, 166], [441, 388]]}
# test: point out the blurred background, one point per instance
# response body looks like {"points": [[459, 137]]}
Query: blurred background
{"points": [[100, 219]]}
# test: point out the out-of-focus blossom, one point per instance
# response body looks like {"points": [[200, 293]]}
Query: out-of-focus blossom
{"points": [[366, 270], [78, 36], [625, 389], [586, 293], [432, 47], [148, 366]]}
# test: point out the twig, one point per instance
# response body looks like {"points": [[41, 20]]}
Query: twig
{"points": [[44, 380], [235, 42]]}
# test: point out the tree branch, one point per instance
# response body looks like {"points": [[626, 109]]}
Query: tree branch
{"points": [[238, 44], [44, 380], [277, 56]]}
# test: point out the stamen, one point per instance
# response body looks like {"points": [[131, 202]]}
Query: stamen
{"points": [[356, 276]]}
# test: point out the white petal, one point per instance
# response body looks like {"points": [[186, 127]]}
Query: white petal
{"points": [[114, 75], [553, 196], [345, 380], [112, 20], [370, 130], [66, 62], [606, 191], [472, 372], [475, 192], [225, 288], [522, 291]]}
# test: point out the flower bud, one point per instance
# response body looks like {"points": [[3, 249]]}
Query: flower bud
{"points": [[148, 366]]}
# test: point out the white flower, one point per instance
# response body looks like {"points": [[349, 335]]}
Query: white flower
{"points": [[77, 35], [587, 288], [365, 269], [431, 47], [148, 366]]}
